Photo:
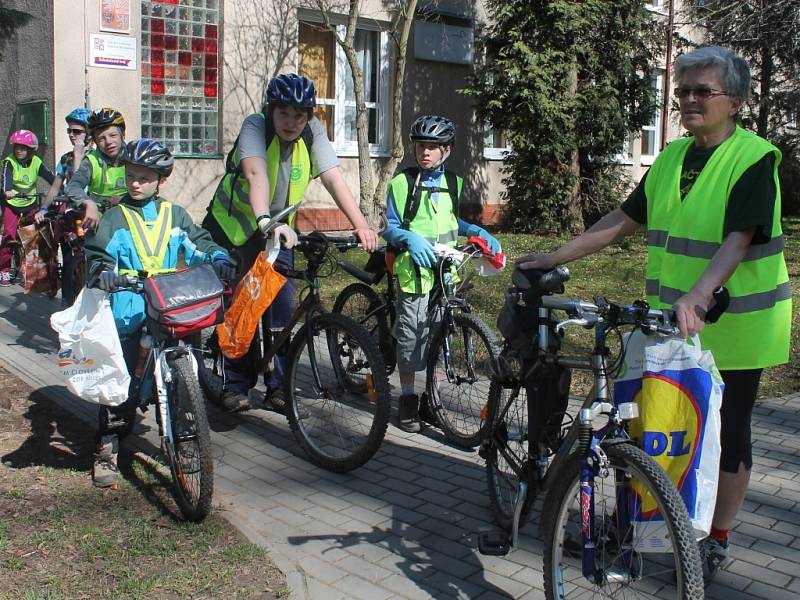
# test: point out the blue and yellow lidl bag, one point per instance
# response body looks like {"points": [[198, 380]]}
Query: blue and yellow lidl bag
{"points": [[678, 390]]}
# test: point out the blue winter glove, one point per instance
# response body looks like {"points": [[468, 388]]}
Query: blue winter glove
{"points": [[494, 245], [420, 249], [107, 281], [224, 266]]}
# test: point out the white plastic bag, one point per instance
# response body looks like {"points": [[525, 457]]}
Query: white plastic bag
{"points": [[679, 393], [90, 357]]}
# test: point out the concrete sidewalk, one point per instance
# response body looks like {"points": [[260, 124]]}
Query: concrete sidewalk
{"points": [[404, 525]]}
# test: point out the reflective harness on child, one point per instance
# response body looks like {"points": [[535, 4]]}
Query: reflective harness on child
{"points": [[150, 238]]}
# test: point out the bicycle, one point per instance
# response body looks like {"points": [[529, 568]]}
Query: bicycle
{"points": [[585, 465], [62, 225], [171, 367], [17, 246], [457, 378], [336, 389]]}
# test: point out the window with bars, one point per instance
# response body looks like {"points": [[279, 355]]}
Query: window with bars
{"points": [[180, 74]]}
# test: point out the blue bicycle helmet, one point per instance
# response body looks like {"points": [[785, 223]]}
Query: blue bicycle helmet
{"points": [[293, 90], [151, 154], [78, 115]]}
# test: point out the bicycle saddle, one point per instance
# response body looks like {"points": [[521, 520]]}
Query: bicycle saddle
{"points": [[540, 282]]}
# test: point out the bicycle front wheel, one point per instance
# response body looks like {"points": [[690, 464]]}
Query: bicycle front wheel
{"points": [[506, 453], [337, 392], [458, 377], [645, 560], [363, 304], [189, 450]]}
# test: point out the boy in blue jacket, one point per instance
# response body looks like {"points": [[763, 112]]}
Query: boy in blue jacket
{"points": [[129, 239]]}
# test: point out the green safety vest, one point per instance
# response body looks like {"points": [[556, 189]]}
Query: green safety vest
{"points": [[106, 180], [683, 235], [231, 204], [436, 222], [23, 180], [150, 238]]}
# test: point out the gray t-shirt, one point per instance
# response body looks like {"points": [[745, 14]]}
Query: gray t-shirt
{"points": [[252, 144]]}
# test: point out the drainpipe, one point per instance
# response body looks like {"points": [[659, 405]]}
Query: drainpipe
{"points": [[667, 71]]}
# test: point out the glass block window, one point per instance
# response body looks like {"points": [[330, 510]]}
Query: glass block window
{"points": [[180, 74]]}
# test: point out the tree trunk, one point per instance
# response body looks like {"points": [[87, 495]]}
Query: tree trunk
{"points": [[574, 215]]}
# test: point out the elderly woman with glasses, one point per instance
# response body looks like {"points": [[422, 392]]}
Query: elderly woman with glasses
{"points": [[711, 204]]}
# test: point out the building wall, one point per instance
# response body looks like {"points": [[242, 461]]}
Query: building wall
{"points": [[26, 71]]}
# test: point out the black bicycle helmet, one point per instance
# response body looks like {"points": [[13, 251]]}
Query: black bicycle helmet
{"points": [[293, 90], [434, 129], [151, 154], [103, 117]]}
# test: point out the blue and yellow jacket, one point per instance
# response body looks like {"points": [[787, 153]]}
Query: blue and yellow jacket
{"points": [[112, 249]]}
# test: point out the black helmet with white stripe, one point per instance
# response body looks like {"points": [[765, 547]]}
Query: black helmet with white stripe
{"points": [[151, 154]]}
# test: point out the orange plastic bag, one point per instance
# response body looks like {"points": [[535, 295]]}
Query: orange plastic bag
{"points": [[253, 295]]}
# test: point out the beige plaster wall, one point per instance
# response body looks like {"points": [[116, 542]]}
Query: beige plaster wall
{"points": [[75, 85]]}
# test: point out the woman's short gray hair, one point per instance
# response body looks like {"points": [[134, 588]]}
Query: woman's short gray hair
{"points": [[734, 71]]}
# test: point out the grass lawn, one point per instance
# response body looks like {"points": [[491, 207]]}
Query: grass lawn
{"points": [[616, 273]]}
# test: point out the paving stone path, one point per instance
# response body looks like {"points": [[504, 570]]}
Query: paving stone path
{"points": [[404, 525]]}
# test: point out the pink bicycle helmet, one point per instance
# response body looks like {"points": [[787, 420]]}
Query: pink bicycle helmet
{"points": [[23, 137]]}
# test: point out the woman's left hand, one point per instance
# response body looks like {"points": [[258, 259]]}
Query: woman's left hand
{"points": [[691, 309], [368, 238]]}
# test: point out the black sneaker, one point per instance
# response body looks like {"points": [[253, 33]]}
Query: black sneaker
{"points": [[235, 401], [713, 557]]}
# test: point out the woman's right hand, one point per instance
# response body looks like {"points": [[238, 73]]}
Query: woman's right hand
{"points": [[92, 215], [542, 262]]}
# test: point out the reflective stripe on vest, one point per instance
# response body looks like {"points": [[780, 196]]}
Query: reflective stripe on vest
{"points": [[683, 236], [150, 238], [106, 180], [231, 204], [23, 180], [434, 222]]}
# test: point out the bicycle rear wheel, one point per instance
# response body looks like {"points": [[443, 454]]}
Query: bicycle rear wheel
{"points": [[363, 304], [189, 450], [337, 392], [506, 453], [73, 277], [458, 377], [625, 565]]}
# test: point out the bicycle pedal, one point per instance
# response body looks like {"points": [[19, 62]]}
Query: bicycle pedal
{"points": [[494, 542]]}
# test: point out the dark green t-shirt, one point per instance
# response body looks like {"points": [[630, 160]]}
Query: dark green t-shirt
{"points": [[751, 202]]}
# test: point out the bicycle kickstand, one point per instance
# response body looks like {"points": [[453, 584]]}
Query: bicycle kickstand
{"points": [[499, 542]]}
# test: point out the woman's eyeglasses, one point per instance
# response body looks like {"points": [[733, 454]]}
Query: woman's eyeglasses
{"points": [[700, 93], [75, 131]]}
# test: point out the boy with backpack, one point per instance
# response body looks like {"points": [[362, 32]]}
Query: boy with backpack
{"points": [[421, 210], [142, 233]]}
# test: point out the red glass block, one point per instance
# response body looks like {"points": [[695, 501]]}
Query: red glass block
{"points": [[211, 46], [156, 25], [210, 90], [210, 75], [171, 42], [185, 59], [157, 41], [211, 61], [157, 57], [197, 44], [157, 72], [157, 87], [211, 32]]}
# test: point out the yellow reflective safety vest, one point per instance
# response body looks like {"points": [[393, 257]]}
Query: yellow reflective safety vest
{"points": [[231, 204], [106, 180], [683, 236], [150, 238], [23, 180], [436, 222]]}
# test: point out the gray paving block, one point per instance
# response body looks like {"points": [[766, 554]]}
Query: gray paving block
{"points": [[361, 589], [490, 580], [762, 590], [434, 496], [756, 573]]}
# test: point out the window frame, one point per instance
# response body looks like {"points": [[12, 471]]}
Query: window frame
{"points": [[648, 159], [494, 152], [349, 148]]}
